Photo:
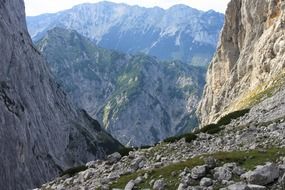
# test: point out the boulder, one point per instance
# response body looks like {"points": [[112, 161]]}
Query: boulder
{"points": [[256, 187], [159, 184], [238, 186], [138, 180], [206, 182], [262, 175], [136, 162], [130, 185], [198, 172], [222, 173], [113, 158], [182, 187], [211, 162]]}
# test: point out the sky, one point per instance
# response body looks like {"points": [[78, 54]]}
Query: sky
{"points": [[36, 7]]}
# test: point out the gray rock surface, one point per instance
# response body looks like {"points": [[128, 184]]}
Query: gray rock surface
{"points": [[249, 62], [222, 173], [198, 172], [206, 182], [256, 187], [262, 175], [159, 184], [238, 186], [41, 132], [130, 185]]}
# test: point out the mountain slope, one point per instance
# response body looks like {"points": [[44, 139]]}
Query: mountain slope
{"points": [[41, 132], [249, 63], [244, 150], [138, 99], [179, 33]]}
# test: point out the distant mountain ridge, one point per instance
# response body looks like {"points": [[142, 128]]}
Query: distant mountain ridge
{"points": [[178, 33], [138, 99]]}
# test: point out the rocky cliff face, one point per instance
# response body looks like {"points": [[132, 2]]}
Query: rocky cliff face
{"points": [[177, 33], [249, 63], [41, 132], [138, 99]]}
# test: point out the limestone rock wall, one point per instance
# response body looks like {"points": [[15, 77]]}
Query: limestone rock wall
{"points": [[250, 58]]}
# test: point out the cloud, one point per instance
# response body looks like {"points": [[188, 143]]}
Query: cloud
{"points": [[35, 7]]}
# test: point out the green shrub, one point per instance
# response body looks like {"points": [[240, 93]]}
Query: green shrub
{"points": [[73, 171], [216, 128], [125, 151], [211, 129], [188, 138], [231, 116]]}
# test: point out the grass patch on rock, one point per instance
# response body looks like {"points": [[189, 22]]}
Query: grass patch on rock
{"points": [[165, 172], [247, 159]]}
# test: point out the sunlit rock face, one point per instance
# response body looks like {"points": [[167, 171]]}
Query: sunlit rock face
{"points": [[249, 63]]}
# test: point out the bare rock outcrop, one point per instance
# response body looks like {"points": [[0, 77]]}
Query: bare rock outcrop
{"points": [[249, 63], [41, 133]]}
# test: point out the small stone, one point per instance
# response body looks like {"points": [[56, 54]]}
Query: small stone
{"points": [[104, 187], [206, 182], [113, 158], [174, 173], [130, 185], [222, 173], [181, 187], [151, 182], [238, 171], [88, 174], [145, 175], [138, 180], [159, 184], [158, 164], [112, 176], [238, 186], [198, 172], [256, 187], [210, 162]]}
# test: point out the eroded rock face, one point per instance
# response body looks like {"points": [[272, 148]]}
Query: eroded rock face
{"points": [[137, 98], [41, 133], [250, 58]]}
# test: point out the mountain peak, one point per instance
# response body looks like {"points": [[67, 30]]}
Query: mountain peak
{"points": [[122, 27]]}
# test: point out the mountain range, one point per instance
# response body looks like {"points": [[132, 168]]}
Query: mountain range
{"points": [[137, 98], [178, 33]]}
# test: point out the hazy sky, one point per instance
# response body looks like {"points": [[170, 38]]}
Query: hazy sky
{"points": [[35, 7]]}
